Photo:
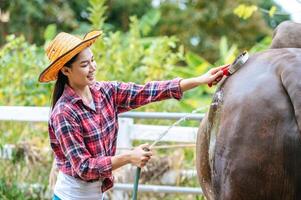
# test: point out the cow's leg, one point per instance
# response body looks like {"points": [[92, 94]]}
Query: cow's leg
{"points": [[290, 77], [202, 159]]}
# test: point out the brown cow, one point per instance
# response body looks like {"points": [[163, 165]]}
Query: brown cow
{"points": [[249, 143]]}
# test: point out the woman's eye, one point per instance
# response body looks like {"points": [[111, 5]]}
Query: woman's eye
{"points": [[83, 66]]}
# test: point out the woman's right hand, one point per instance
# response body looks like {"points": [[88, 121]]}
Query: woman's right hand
{"points": [[139, 156]]}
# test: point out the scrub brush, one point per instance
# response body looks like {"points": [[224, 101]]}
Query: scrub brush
{"points": [[238, 62]]}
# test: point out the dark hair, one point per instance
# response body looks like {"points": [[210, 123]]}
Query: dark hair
{"points": [[60, 82]]}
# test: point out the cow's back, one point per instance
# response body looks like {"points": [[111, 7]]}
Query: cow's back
{"points": [[257, 152]]}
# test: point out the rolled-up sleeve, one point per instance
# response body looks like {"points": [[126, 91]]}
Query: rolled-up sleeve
{"points": [[69, 134], [130, 95]]}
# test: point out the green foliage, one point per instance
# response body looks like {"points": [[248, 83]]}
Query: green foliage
{"points": [[97, 11], [149, 20], [200, 25], [18, 179], [262, 45], [245, 11], [120, 12], [275, 19], [30, 163], [205, 22], [130, 56], [50, 32], [227, 54], [272, 11], [133, 56], [34, 15], [21, 64], [10, 190]]}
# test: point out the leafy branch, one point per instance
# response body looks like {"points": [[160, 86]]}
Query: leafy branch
{"points": [[246, 11]]}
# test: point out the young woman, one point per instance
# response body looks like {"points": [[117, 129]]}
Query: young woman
{"points": [[83, 124]]}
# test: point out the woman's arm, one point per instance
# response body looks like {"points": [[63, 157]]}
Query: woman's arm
{"points": [[213, 76], [129, 96], [137, 157]]}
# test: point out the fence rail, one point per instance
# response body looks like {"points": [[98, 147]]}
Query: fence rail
{"points": [[158, 188], [40, 114]]}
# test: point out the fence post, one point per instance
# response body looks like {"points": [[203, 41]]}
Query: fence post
{"points": [[6, 151], [124, 137], [123, 141]]}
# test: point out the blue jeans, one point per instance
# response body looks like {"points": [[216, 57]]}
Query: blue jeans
{"points": [[55, 197]]}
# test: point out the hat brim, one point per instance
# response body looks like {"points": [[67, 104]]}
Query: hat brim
{"points": [[51, 72]]}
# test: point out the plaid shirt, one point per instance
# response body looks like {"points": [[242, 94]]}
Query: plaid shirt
{"points": [[83, 139]]}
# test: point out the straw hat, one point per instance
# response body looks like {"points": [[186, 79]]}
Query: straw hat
{"points": [[61, 49]]}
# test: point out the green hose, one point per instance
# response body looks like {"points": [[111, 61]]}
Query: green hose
{"points": [[137, 177]]}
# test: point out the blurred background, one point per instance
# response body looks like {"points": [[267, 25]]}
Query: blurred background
{"points": [[143, 40]]}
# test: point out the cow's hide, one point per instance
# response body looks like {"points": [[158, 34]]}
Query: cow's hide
{"points": [[249, 143], [287, 35]]}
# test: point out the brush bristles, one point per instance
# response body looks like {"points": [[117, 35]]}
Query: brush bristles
{"points": [[240, 61]]}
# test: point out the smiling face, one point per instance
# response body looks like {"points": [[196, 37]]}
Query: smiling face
{"points": [[82, 71]]}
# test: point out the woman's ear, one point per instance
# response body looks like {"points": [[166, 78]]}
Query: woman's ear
{"points": [[65, 70]]}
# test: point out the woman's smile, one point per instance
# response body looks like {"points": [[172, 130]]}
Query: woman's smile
{"points": [[91, 76]]}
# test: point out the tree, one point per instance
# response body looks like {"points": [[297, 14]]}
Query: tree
{"points": [[120, 11], [201, 24], [198, 24], [30, 18]]}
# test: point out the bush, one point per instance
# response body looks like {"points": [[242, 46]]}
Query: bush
{"points": [[21, 64]]}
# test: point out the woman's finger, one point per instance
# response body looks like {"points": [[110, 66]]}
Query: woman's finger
{"points": [[218, 78], [145, 159], [217, 75], [216, 69], [146, 145], [147, 153]]}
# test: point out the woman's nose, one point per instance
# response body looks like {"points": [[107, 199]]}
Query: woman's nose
{"points": [[92, 66]]}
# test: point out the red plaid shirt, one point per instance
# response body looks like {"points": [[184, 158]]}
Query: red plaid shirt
{"points": [[83, 139]]}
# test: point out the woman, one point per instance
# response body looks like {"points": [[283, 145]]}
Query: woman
{"points": [[83, 124]]}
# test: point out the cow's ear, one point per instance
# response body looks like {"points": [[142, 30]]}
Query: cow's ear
{"points": [[290, 78]]}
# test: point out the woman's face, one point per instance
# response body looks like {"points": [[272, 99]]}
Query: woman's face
{"points": [[82, 71]]}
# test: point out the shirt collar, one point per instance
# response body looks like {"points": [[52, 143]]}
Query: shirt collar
{"points": [[70, 95], [95, 88]]}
